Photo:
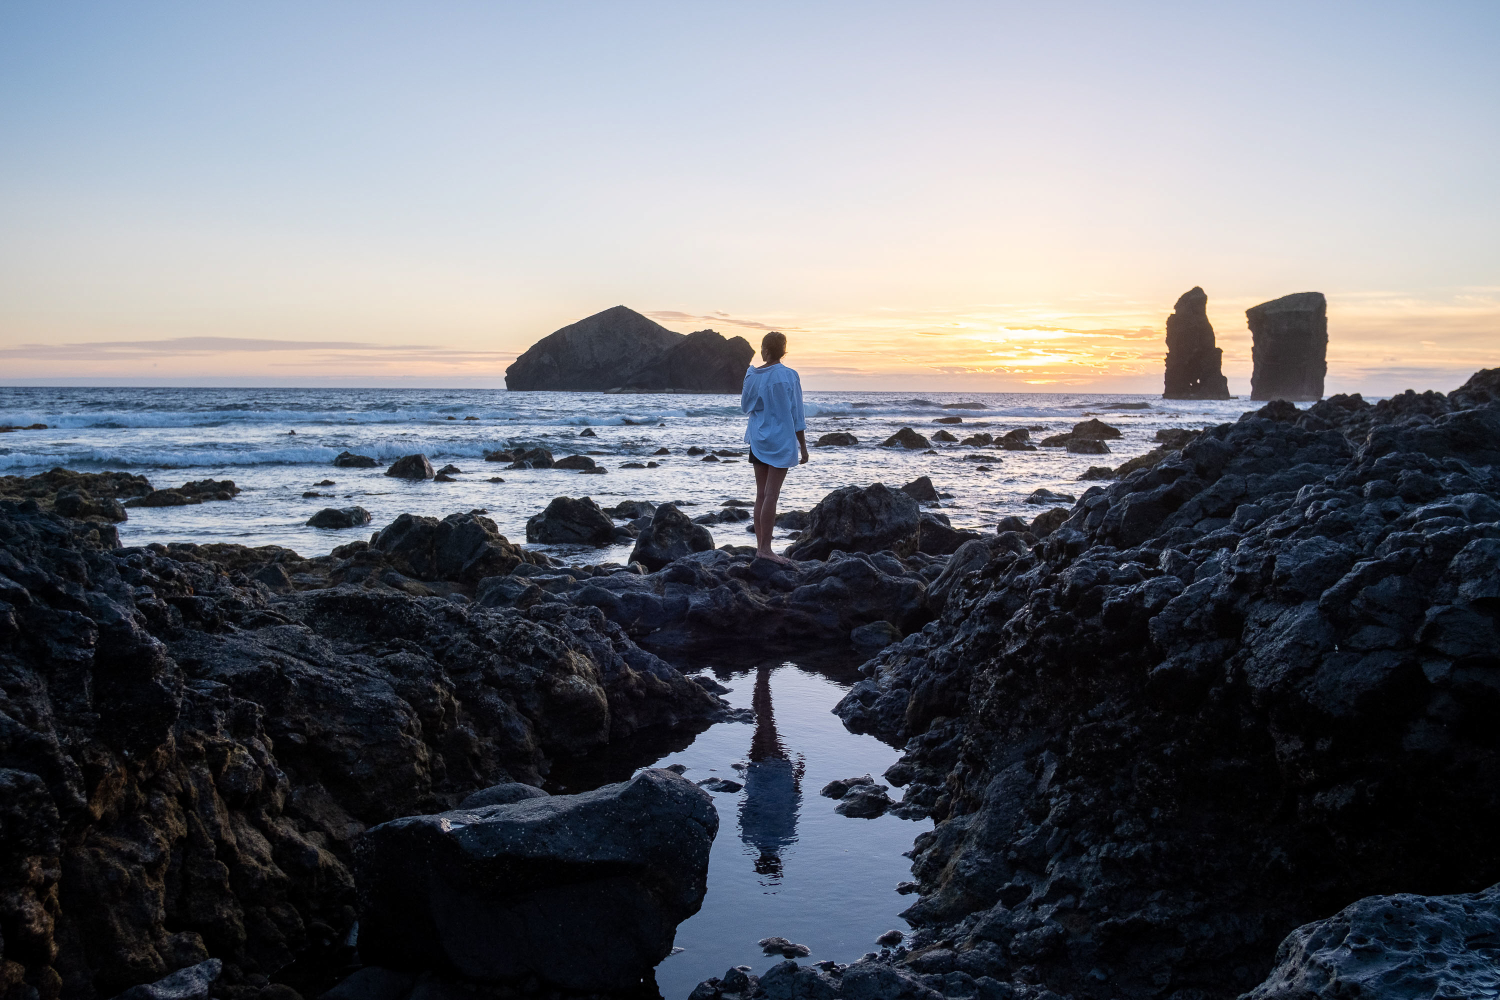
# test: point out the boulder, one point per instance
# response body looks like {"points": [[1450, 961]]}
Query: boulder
{"points": [[502, 795], [939, 537], [906, 438], [1289, 347], [864, 802], [854, 519], [839, 787], [838, 439], [631, 509], [192, 983], [671, 535], [1049, 521], [944, 437], [1193, 362], [580, 463], [583, 892], [532, 458], [499, 456], [981, 440], [461, 547], [949, 420], [1087, 446], [1175, 438], [921, 490], [412, 467], [570, 521], [1048, 497], [870, 639], [349, 460], [71, 503], [339, 518], [1392, 948]]}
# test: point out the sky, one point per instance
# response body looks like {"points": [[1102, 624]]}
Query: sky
{"points": [[940, 195]]}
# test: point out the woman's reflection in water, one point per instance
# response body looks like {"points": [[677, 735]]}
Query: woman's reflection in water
{"points": [[773, 787]]}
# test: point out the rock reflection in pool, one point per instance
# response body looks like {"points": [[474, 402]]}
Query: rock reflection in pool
{"points": [[773, 786], [834, 883]]}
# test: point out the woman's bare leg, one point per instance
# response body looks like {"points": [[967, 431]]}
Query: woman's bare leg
{"points": [[768, 491]]}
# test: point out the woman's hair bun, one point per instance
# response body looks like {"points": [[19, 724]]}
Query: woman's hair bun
{"points": [[773, 346]]}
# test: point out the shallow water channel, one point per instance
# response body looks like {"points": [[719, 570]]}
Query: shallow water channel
{"points": [[783, 863]]}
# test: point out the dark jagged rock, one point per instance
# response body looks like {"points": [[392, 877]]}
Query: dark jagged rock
{"points": [[502, 794], [349, 460], [499, 456], [939, 537], [1048, 497], [414, 467], [195, 492], [570, 521], [855, 519], [704, 361], [531, 458], [921, 490], [671, 535], [582, 892], [949, 420], [1194, 364], [187, 753], [621, 348], [944, 437], [1085, 430], [1290, 347], [1087, 446], [906, 438], [90, 495], [1390, 947], [191, 983], [1226, 696], [1175, 438], [339, 517], [871, 638], [575, 462]]}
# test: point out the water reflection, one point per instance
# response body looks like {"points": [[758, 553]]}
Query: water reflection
{"points": [[773, 787]]}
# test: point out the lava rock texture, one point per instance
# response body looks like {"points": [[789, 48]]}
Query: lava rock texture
{"points": [[193, 737], [1194, 363], [1228, 695], [1289, 347]]}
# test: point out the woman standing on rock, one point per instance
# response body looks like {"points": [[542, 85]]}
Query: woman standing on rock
{"points": [[773, 397]]}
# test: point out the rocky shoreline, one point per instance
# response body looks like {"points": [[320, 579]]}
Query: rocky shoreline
{"points": [[1225, 696]]}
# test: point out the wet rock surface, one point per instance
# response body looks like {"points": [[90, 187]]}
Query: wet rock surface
{"points": [[1227, 695], [411, 467], [861, 519], [570, 521], [582, 892], [1393, 946], [193, 737], [339, 518]]}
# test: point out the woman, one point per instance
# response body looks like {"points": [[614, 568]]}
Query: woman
{"points": [[773, 397]]}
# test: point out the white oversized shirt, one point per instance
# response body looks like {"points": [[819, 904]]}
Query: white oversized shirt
{"points": [[773, 398]]}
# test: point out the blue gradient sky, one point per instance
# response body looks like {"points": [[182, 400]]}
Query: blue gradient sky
{"points": [[938, 195]]}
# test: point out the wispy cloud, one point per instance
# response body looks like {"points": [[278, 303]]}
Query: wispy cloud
{"points": [[710, 320], [177, 347]]}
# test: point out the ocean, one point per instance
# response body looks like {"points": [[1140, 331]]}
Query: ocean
{"points": [[277, 444]]}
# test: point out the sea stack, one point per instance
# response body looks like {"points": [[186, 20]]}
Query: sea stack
{"points": [[1290, 336], [1193, 362], [619, 349]]}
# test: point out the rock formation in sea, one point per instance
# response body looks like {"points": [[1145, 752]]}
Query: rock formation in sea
{"points": [[1193, 361], [1290, 347], [621, 349]]}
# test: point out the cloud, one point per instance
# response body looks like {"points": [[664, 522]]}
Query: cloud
{"points": [[342, 351], [721, 318]]}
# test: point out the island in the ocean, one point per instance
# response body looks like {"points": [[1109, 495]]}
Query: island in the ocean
{"points": [[619, 350]]}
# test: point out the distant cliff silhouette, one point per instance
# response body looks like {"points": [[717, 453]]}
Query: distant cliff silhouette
{"points": [[621, 350], [1193, 360], [1290, 348]]}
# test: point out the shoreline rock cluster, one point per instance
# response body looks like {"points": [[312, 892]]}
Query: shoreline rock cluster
{"points": [[1229, 695]]}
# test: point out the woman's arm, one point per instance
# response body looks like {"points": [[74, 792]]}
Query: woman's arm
{"points": [[800, 420], [748, 394], [802, 443]]}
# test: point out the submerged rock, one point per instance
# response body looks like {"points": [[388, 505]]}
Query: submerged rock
{"points": [[411, 467], [1193, 366], [1290, 347], [339, 518], [583, 892], [349, 460]]}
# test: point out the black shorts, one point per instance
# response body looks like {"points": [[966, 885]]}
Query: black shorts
{"points": [[756, 461]]}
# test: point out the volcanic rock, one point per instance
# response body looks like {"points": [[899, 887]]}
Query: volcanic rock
{"points": [[621, 348], [838, 439], [700, 362], [1289, 347], [906, 438], [864, 802], [1087, 446], [349, 460], [582, 892], [981, 440], [1392, 946], [921, 490], [1193, 362], [670, 536], [502, 794], [1047, 496], [871, 638], [570, 521], [532, 458], [461, 547], [339, 517], [580, 462], [413, 467], [855, 519], [939, 537], [944, 437]]}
